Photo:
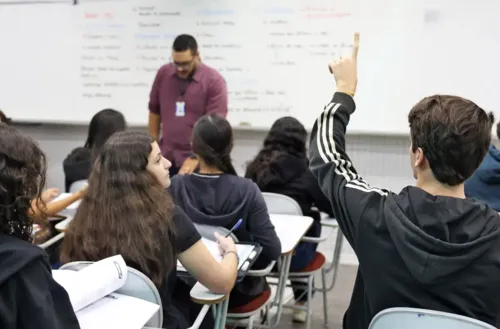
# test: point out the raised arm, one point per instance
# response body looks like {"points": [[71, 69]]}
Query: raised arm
{"points": [[217, 97], [47, 208], [348, 193]]}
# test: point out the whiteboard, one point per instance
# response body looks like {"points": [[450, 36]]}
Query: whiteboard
{"points": [[62, 62]]}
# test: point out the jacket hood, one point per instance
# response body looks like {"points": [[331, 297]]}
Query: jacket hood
{"points": [[218, 207], [437, 236], [489, 171], [15, 254]]}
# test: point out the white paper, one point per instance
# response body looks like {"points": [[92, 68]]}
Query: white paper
{"points": [[243, 251], [93, 282], [116, 311]]}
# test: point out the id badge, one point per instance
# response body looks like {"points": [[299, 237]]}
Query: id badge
{"points": [[180, 109]]}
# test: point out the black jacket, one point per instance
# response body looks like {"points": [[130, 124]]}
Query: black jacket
{"points": [[414, 249], [29, 297], [221, 200], [77, 166]]}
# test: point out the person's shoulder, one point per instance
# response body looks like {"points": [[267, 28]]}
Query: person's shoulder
{"points": [[166, 70], [16, 254], [211, 73]]}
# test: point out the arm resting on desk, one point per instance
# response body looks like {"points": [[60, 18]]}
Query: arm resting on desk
{"points": [[39, 210]]}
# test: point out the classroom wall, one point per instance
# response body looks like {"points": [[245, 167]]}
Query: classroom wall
{"points": [[381, 160]]}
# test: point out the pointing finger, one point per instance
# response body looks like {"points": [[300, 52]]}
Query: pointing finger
{"points": [[355, 47]]}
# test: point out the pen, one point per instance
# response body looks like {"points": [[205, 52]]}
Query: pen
{"points": [[235, 227]]}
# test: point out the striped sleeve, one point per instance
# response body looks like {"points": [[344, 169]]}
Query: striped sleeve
{"points": [[348, 193]]}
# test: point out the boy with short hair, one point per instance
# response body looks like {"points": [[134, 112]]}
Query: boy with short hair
{"points": [[428, 246]]}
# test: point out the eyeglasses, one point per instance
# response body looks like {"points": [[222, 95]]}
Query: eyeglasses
{"points": [[183, 65]]}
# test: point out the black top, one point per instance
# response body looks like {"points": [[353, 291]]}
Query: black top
{"points": [[29, 296], [221, 200], [186, 236], [292, 177], [77, 166], [414, 249]]}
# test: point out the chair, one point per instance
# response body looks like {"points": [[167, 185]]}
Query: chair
{"points": [[251, 310], [78, 185], [282, 204], [51, 241], [137, 285], [414, 318]]}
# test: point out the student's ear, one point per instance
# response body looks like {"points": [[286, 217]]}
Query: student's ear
{"points": [[419, 157]]}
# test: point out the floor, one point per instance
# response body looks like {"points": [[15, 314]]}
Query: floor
{"points": [[338, 300]]}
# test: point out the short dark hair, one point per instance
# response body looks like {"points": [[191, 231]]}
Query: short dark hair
{"points": [[184, 42], [212, 141], [454, 134], [4, 118]]}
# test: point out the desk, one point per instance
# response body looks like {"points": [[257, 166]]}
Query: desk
{"points": [[201, 295], [290, 230], [61, 226]]}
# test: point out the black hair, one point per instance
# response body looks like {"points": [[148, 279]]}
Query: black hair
{"points": [[184, 42], [286, 137], [22, 178], [213, 142], [103, 124], [4, 118]]}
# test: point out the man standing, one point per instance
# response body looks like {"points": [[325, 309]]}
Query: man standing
{"points": [[182, 92]]}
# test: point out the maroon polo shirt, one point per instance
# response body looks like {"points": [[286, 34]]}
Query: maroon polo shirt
{"points": [[205, 93]]}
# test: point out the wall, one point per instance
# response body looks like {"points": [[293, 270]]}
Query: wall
{"points": [[381, 160]]}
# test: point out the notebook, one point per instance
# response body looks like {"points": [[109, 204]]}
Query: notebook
{"points": [[92, 295]]}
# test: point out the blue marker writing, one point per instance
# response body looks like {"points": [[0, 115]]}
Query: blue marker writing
{"points": [[235, 227]]}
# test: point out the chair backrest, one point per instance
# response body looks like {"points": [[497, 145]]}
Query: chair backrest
{"points": [[281, 204], [137, 285], [414, 318], [208, 231], [78, 185]]}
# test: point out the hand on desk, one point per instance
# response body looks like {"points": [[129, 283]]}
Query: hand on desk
{"points": [[188, 166], [345, 70]]}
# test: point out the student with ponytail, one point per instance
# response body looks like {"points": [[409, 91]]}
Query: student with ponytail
{"points": [[215, 195]]}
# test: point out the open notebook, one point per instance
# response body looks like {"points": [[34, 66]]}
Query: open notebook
{"points": [[244, 251], [91, 291]]}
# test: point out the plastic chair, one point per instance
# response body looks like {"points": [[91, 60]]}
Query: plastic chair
{"points": [[137, 285], [282, 204], [414, 318], [253, 308], [78, 185]]}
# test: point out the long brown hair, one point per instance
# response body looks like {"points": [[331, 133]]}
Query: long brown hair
{"points": [[125, 211]]}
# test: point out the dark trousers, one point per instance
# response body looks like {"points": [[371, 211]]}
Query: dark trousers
{"points": [[304, 255]]}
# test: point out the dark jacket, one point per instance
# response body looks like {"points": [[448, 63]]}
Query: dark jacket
{"points": [[29, 296], [484, 185], [414, 249], [77, 166], [221, 200]]}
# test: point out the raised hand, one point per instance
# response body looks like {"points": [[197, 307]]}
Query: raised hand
{"points": [[345, 70]]}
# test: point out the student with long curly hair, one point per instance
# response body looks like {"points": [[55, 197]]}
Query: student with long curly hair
{"points": [[127, 211], [282, 167], [30, 298]]}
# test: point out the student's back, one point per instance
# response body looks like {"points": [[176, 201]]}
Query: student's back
{"points": [[484, 185], [428, 246], [29, 296], [217, 196]]}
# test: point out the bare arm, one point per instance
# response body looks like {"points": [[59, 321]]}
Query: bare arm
{"points": [[53, 208], [217, 277], [154, 125]]}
